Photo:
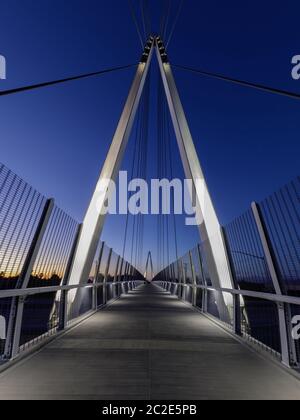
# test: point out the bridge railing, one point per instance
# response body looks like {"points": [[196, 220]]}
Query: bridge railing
{"points": [[263, 247], [37, 245]]}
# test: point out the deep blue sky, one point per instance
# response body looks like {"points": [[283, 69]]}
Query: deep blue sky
{"points": [[57, 138]]}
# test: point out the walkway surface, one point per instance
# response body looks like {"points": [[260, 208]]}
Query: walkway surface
{"points": [[147, 345]]}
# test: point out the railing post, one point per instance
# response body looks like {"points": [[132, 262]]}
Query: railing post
{"points": [[194, 302], [63, 307], [120, 286], [130, 278], [237, 319], [204, 291], [236, 301], [98, 268], [17, 307], [99, 262], [106, 277], [127, 272], [173, 278], [116, 285], [63, 311], [183, 291], [288, 356]]}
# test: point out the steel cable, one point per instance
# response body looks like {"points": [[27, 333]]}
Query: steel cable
{"points": [[60, 81], [240, 82], [175, 23], [134, 18]]}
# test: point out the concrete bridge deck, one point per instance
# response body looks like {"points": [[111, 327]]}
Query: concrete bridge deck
{"points": [[148, 345]]}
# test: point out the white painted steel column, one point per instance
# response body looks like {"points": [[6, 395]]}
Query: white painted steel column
{"points": [[94, 219], [208, 223]]}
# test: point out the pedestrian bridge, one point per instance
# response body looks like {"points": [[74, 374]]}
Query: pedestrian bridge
{"points": [[148, 345], [220, 322]]}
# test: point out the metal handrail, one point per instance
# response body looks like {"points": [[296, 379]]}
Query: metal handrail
{"points": [[248, 293], [40, 290]]}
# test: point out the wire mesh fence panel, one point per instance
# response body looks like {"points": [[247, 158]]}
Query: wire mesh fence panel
{"points": [[94, 273], [49, 269], [104, 263], [198, 268], [174, 278], [187, 269], [113, 267], [281, 214], [202, 249], [111, 291], [21, 208], [54, 254], [260, 322], [40, 318], [249, 265], [121, 270]]}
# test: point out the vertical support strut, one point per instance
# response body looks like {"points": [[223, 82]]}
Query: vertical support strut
{"points": [[194, 301], [106, 277], [63, 311], [287, 348], [204, 291]]}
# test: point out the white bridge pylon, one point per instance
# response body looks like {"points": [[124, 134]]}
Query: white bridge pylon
{"points": [[210, 229], [149, 263]]}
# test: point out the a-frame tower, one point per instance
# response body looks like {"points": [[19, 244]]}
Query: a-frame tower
{"points": [[210, 229]]}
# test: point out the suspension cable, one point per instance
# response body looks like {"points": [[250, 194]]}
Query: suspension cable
{"points": [[172, 176], [169, 7], [175, 23], [132, 173], [163, 17], [134, 18], [148, 17], [166, 166], [138, 140], [240, 82], [159, 142], [56, 82], [139, 170], [142, 7]]}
